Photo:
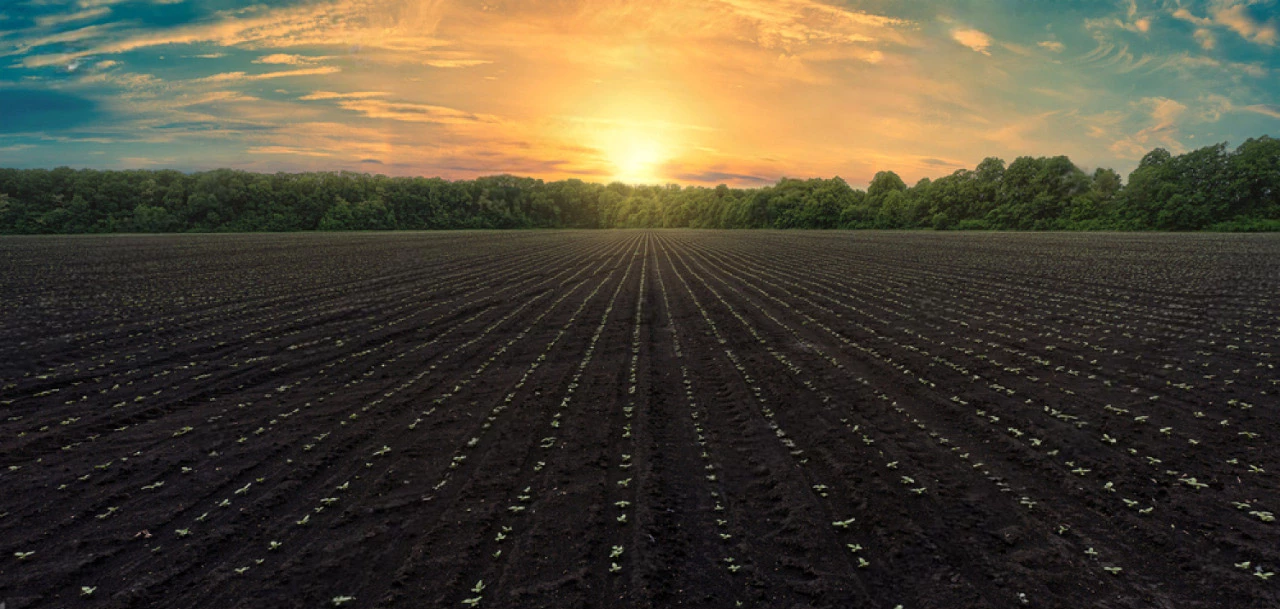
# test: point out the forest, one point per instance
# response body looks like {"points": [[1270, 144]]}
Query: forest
{"points": [[1211, 188]]}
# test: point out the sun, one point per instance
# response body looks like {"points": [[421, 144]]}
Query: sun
{"points": [[635, 156]]}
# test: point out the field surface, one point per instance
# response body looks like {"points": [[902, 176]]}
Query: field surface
{"points": [[640, 419]]}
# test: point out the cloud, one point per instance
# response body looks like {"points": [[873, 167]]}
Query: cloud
{"points": [[723, 177], [235, 76], [413, 112], [1189, 64], [1015, 134], [1235, 16], [45, 21], [77, 36], [1238, 18], [1052, 45], [780, 23], [1206, 39], [1186, 15], [939, 162], [372, 24], [286, 150], [1272, 110], [1164, 112], [1212, 107], [287, 59], [455, 63], [1132, 22], [1165, 115], [974, 39], [320, 95]]}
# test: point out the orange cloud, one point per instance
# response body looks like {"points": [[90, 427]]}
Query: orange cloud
{"points": [[974, 39]]}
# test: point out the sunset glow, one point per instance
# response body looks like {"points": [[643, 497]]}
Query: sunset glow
{"points": [[722, 91]]}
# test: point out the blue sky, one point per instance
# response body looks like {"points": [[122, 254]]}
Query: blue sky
{"points": [[743, 91]]}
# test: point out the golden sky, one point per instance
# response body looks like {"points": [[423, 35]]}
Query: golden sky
{"points": [[695, 92]]}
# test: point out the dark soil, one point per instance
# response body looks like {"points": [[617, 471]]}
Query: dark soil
{"points": [[640, 419]]}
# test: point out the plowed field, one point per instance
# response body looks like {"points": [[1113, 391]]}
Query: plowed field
{"points": [[640, 419]]}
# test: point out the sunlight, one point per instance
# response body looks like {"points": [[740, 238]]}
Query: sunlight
{"points": [[634, 156]]}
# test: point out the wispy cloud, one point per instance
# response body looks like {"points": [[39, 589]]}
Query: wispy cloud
{"points": [[1236, 16], [287, 59], [320, 95], [1132, 21], [1272, 110], [1239, 19], [287, 151], [235, 76], [413, 112], [83, 15], [1162, 129]]}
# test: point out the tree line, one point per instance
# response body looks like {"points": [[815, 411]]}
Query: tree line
{"points": [[1212, 188]]}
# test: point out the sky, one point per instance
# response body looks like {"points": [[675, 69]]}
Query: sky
{"points": [[696, 92]]}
